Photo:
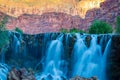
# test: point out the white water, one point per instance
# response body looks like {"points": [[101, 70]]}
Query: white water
{"points": [[15, 46], [53, 61], [89, 61], [104, 60], [3, 71]]}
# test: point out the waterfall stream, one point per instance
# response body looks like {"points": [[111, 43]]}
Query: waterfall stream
{"points": [[88, 60], [57, 56], [53, 60]]}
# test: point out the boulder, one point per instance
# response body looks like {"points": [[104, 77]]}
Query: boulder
{"points": [[21, 74]]}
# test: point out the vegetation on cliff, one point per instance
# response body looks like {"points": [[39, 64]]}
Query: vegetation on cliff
{"points": [[100, 27], [4, 38], [18, 30], [73, 30], [63, 30], [97, 27], [118, 24]]}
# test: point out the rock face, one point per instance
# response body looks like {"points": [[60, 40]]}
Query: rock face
{"points": [[47, 22], [21, 74], [54, 21], [74, 7], [113, 68], [108, 12], [1, 16]]}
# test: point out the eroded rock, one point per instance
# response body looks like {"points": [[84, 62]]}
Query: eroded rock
{"points": [[21, 74]]}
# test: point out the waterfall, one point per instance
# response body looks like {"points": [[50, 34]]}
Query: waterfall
{"points": [[15, 46], [104, 60], [3, 71], [79, 49], [89, 61], [58, 56], [53, 61], [2, 55]]}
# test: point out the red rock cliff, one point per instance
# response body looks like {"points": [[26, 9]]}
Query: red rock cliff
{"points": [[54, 21]]}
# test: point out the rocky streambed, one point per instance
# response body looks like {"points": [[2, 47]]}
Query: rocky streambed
{"points": [[24, 74]]}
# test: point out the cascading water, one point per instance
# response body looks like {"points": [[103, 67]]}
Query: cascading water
{"points": [[3, 71], [79, 49], [2, 55], [15, 46], [51, 51], [53, 61], [89, 61], [104, 59]]}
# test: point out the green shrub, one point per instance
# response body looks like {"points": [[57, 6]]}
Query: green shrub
{"points": [[100, 27], [118, 24], [81, 31], [4, 38], [18, 30], [64, 30], [73, 30]]}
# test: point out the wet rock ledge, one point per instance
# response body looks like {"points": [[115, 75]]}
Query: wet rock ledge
{"points": [[82, 78]]}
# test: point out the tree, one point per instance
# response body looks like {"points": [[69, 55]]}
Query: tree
{"points": [[18, 30], [4, 38], [75, 30], [118, 24], [63, 30], [100, 27]]}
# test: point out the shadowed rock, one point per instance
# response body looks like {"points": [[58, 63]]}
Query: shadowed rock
{"points": [[82, 78], [21, 74]]}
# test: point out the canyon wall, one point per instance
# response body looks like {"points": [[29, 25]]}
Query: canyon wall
{"points": [[74, 7], [108, 12], [54, 21]]}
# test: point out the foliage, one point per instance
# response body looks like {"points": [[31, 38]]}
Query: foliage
{"points": [[73, 30], [18, 30], [100, 27], [4, 38], [63, 30], [118, 25]]}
